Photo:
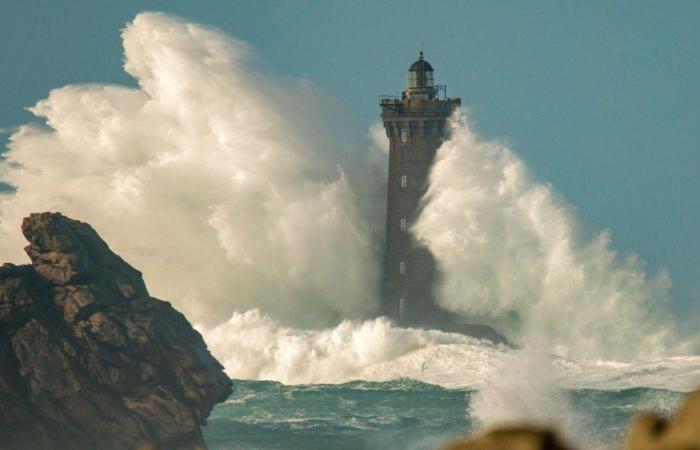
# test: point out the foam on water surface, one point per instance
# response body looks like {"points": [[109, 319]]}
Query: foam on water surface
{"points": [[254, 346], [399, 414]]}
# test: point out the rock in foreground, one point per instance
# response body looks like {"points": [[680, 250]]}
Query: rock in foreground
{"points": [[88, 359], [512, 438], [653, 432], [647, 432]]}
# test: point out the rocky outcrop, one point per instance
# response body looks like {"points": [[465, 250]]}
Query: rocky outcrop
{"points": [[88, 359]]}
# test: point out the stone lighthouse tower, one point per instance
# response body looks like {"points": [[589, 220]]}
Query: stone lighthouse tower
{"points": [[416, 126]]}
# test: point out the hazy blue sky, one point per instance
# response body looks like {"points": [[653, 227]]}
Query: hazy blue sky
{"points": [[600, 98]]}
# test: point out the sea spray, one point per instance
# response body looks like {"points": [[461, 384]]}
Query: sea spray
{"points": [[226, 186], [523, 388], [512, 254]]}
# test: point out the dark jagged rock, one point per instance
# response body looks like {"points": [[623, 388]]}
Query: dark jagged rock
{"points": [[88, 359]]}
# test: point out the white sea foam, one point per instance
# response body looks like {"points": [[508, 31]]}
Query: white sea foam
{"points": [[254, 346]]}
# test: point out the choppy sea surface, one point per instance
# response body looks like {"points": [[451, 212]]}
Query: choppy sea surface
{"points": [[399, 414]]}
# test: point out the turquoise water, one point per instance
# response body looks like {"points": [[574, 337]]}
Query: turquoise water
{"points": [[401, 414]]}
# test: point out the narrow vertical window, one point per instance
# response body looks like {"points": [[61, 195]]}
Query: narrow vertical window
{"points": [[404, 135], [403, 224], [404, 181], [402, 268]]}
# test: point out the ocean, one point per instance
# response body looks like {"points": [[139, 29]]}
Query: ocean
{"points": [[254, 210], [373, 385], [399, 414]]}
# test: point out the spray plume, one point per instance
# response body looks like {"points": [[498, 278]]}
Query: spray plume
{"points": [[216, 181], [512, 254]]}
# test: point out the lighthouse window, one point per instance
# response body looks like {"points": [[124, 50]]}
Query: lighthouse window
{"points": [[429, 79], [404, 181], [402, 268], [403, 224], [412, 79], [404, 135], [420, 79]]}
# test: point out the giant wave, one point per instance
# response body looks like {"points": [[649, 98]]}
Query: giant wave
{"points": [[229, 189]]}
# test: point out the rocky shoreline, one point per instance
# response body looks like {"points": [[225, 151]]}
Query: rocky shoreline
{"points": [[88, 359]]}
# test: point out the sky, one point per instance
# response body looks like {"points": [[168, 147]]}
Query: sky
{"points": [[599, 98]]}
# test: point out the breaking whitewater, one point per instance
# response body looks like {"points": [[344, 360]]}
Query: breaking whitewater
{"points": [[262, 222], [370, 385]]}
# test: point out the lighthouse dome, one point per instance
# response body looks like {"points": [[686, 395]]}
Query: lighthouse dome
{"points": [[420, 76], [421, 65]]}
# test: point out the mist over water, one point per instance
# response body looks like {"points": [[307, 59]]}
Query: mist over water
{"points": [[226, 188]]}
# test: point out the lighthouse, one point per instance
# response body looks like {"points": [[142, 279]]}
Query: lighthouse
{"points": [[416, 124]]}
